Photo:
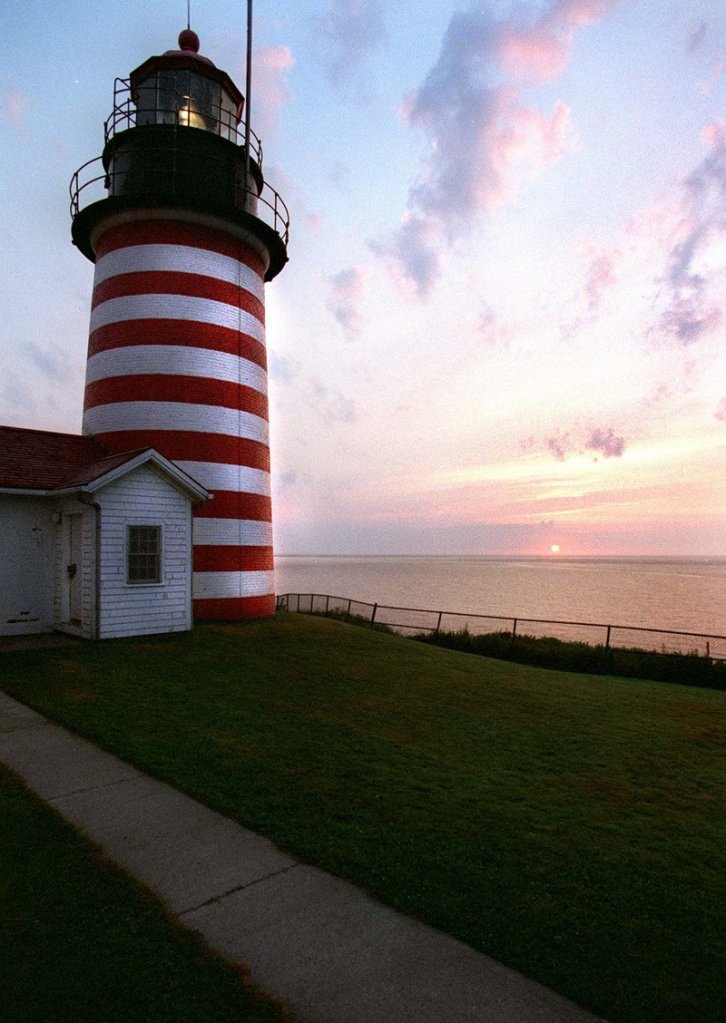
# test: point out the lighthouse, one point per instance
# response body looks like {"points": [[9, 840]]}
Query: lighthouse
{"points": [[184, 236]]}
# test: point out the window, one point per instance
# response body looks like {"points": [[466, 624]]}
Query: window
{"points": [[144, 554], [179, 96]]}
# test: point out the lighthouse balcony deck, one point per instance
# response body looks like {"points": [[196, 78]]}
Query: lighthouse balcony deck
{"points": [[161, 176]]}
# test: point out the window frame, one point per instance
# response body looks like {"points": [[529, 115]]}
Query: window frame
{"points": [[157, 554]]}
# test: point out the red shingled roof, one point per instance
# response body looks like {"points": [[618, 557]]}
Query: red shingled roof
{"points": [[40, 460]]}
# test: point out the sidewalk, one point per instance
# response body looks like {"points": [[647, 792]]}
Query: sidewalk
{"points": [[324, 948]]}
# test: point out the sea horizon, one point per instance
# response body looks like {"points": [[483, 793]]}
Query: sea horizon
{"points": [[653, 591], [554, 558]]}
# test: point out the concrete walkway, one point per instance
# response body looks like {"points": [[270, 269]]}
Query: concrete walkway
{"points": [[325, 949]]}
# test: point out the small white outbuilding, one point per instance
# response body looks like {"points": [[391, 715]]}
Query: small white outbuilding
{"points": [[92, 544]]}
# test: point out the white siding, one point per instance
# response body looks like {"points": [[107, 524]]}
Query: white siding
{"points": [[144, 498], [26, 559]]}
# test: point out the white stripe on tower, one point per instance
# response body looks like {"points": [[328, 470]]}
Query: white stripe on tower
{"points": [[189, 308], [181, 259], [177, 362]]}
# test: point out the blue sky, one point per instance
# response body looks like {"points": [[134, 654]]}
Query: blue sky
{"points": [[502, 327]]}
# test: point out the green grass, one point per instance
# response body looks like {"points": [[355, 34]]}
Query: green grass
{"points": [[570, 825], [81, 943]]}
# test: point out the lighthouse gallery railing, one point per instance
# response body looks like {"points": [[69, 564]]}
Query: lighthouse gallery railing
{"points": [[93, 181]]}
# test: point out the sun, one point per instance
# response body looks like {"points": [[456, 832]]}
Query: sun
{"points": [[555, 548]]}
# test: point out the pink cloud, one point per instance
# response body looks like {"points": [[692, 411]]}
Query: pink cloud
{"points": [[581, 13], [720, 412], [606, 443], [692, 312], [347, 290], [519, 144], [533, 56], [710, 83], [600, 276], [14, 105], [714, 134], [541, 52], [270, 88], [603, 441], [559, 445], [485, 142]]}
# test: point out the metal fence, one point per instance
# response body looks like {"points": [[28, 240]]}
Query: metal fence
{"points": [[406, 620]]}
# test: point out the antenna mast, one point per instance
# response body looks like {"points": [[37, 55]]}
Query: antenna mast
{"points": [[248, 91]]}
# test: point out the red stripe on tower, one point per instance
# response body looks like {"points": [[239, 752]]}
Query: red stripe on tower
{"points": [[215, 405]]}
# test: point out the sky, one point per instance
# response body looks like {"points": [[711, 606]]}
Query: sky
{"points": [[502, 327]]}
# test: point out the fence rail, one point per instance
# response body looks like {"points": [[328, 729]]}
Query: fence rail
{"points": [[419, 620]]}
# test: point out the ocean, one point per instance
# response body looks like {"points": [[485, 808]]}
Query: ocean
{"points": [[680, 594]]}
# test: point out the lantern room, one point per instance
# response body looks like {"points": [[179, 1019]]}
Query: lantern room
{"points": [[173, 140], [181, 87]]}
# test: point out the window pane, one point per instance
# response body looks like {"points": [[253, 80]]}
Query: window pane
{"points": [[144, 554]]}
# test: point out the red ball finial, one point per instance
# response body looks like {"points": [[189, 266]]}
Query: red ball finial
{"points": [[189, 40]]}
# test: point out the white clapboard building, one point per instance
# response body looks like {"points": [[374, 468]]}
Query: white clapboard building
{"points": [[93, 544]]}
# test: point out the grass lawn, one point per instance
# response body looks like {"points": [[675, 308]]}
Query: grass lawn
{"points": [[81, 943], [570, 825]]}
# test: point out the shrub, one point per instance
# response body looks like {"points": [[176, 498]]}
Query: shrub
{"points": [[548, 652]]}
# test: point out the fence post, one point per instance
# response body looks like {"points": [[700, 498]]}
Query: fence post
{"points": [[438, 624], [373, 615], [347, 613], [327, 603], [607, 653]]}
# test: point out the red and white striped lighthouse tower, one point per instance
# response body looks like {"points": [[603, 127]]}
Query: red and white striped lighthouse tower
{"points": [[184, 238]]}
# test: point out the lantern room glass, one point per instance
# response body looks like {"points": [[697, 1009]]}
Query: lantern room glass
{"points": [[184, 97]]}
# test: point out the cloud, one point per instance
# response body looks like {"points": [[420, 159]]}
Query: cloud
{"points": [[349, 30], [485, 142], [600, 277], [696, 37], [559, 446], [719, 70], [325, 404], [606, 443], [14, 104], [332, 406], [415, 249], [541, 52], [691, 314], [720, 412], [48, 362], [346, 294], [598, 439], [270, 88]]}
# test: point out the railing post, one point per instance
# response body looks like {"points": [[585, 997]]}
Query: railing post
{"points": [[438, 623], [607, 653], [327, 603], [514, 631], [347, 613], [373, 615]]}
